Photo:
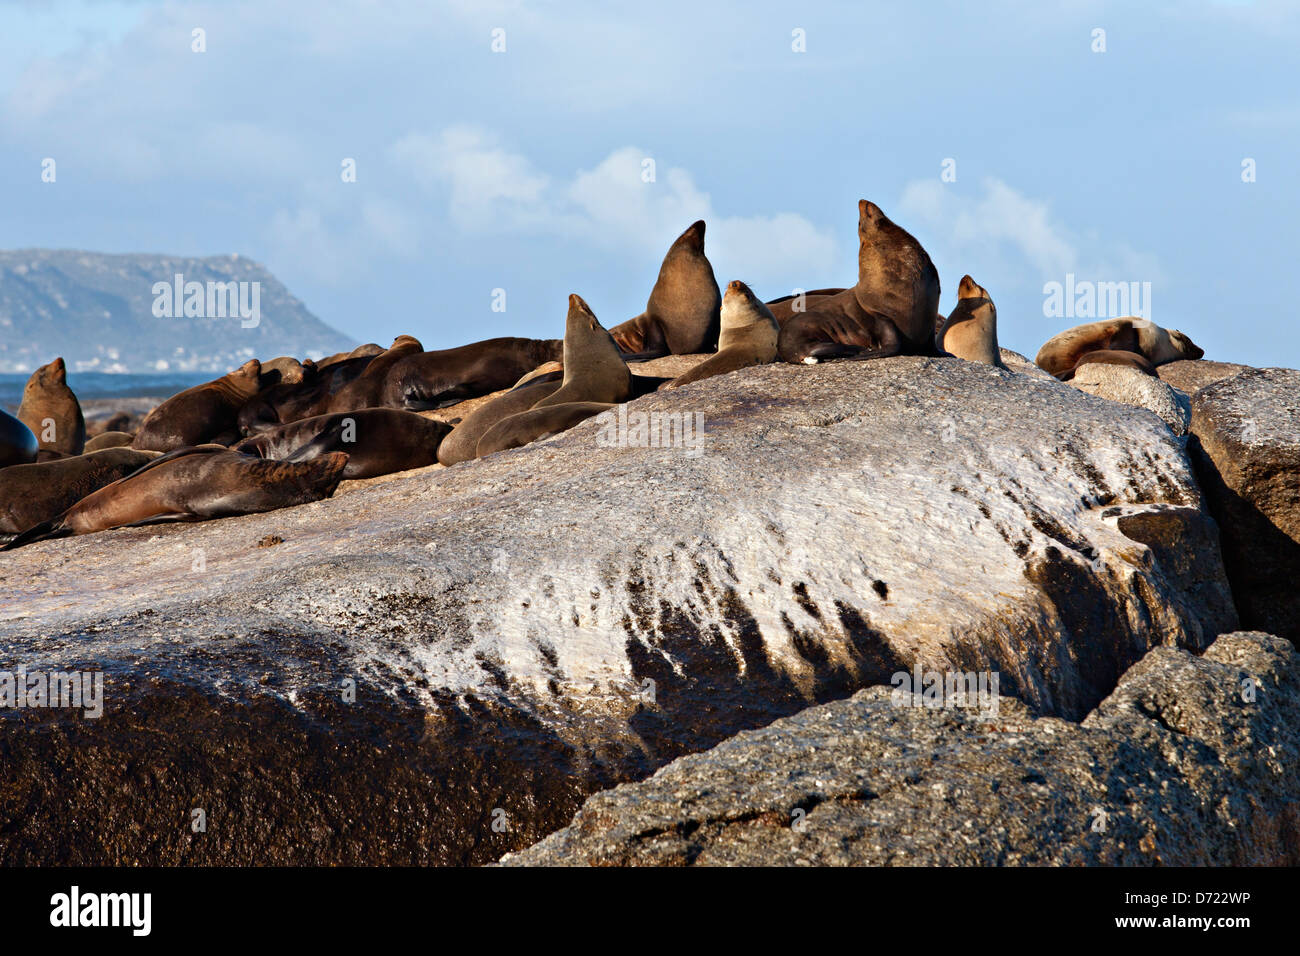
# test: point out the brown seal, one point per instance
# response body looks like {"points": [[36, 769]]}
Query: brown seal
{"points": [[681, 316], [971, 331], [193, 484], [891, 311], [200, 414], [30, 494], [18, 446], [537, 423], [594, 369], [462, 443], [1062, 352], [378, 441], [52, 412], [367, 389], [284, 370], [109, 440], [445, 377], [369, 350], [1133, 360], [787, 306], [748, 337]]}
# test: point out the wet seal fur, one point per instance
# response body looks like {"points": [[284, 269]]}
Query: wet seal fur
{"points": [[47, 398], [194, 484], [787, 307], [537, 423], [200, 414], [971, 330], [30, 494], [748, 336], [378, 441], [893, 309], [109, 440], [18, 446], [1062, 352], [438, 379], [681, 315]]}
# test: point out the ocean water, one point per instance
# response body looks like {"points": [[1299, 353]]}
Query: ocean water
{"points": [[90, 385]]}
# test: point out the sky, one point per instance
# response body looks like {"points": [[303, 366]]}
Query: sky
{"points": [[547, 148]]}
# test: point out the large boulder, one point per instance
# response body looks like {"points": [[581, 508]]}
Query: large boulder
{"points": [[1189, 762], [1131, 387], [440, 667], [1247, 447], [1189, 376]]}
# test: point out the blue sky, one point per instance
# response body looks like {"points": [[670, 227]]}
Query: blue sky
{"points": [[522, 170]]}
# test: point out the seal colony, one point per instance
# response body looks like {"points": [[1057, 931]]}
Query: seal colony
{"points": [[286, 431]]}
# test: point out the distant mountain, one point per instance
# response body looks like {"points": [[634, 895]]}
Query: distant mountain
{"points": [[111, 313]]}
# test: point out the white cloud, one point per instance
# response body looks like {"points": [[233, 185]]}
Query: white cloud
{"points": [[611, 205], [1003, 230]]}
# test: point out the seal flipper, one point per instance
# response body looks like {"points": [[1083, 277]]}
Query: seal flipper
{"points": [[45, 531]]}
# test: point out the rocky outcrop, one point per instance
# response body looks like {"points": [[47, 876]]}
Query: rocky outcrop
{"points": [[1191, 375], [1247, 447], [1189, 762], [1131, 387], [442, 666]]}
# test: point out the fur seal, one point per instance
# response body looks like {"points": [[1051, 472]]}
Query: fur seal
{"points": [[1133, 360], [891, 311], [30, 494], [52, 412], [462, 443], [284, 370], [748, 336], [681, 315], [109, 440], [369, 350], [366, 390], [971, 331], [445, 377], [193, 484], [786, 307], [200, 414], [537, 423], [1062, 351], [594, 369], [378, 441], [18, 446]]}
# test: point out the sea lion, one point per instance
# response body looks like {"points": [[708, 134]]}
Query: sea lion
{"points": [[109, 440], [30, 494], [284, 370], [1133, 360], [52, 412], [116, 422], [18, 446], [200, 414], [594, 369], [681, 315], [1130, 334], [437, 379], [971, 331], [787, 306], [462, 443], [748, 336], [193, 484], [369, 350], [290, 402], [891, 311], [378, 441], [537, 423], [366, 390]]}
